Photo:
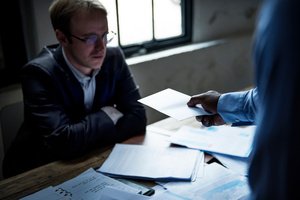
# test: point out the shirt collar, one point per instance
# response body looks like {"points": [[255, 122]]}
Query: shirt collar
{"points": [[79, 75]]}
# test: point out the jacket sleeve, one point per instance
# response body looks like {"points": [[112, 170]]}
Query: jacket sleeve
{"points": [[127, 93]]}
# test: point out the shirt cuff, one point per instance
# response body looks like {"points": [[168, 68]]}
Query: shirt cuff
{"points": [[230, 107], [113, 113]]}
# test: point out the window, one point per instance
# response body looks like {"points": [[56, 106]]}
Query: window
{"points": [[147, 25]]}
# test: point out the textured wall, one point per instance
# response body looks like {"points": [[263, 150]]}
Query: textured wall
{"points": [[223, 67], [213, 19]]}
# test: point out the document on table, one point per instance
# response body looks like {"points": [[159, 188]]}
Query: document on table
{"points": [[48, 193], [217, 183], [173, 104], [112, 193], [161, 193], [234, 141], [87, 185], [236, 164], [153, 163]]}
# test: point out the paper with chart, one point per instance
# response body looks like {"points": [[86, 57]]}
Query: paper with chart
{"points": [[234, 141], [173, 104], [217, 183], [153, 163]]}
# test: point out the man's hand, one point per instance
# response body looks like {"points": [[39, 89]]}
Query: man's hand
{"points": [[209, 101]]}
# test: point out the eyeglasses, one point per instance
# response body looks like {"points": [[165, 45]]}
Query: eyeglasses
{"points": [[94, 38]]}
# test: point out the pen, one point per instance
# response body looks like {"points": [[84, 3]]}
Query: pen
{"points": [[149, 192], [242, 124]]}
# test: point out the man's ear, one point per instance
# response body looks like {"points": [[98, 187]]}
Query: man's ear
{"points": [[61, 37]]}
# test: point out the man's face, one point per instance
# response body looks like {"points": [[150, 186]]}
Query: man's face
{"points": [[87, 49]]}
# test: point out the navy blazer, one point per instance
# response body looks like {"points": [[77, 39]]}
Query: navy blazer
{"points": [[57, 125]]}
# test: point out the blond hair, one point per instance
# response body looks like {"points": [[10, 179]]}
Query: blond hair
{"points": [[61, 12]]}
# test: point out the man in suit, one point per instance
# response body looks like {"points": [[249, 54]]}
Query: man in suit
{"points": [[78, 95]]}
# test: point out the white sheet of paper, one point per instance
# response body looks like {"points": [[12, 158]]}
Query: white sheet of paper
{"points": [[235, 141], [173, 103], [152, 163]]}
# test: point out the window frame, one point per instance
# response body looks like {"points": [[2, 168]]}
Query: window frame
{"points": [[156, 45]]}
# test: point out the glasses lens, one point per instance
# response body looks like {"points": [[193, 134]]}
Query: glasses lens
{"points": [[91, 39]]}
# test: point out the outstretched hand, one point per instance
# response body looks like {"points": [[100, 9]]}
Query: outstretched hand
{"points": [[209, 101]]}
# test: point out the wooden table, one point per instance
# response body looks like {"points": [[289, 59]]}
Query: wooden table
{"points": [[59, 171]]}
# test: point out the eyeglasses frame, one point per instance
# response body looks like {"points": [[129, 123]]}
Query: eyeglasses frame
{"points": [[103, 38]]}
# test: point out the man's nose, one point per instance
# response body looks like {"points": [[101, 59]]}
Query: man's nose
{"points": [[100, 44]]}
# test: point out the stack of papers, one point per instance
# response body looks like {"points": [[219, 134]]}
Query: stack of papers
{"points": [[234, 141], [173, 104], [153, 163]]}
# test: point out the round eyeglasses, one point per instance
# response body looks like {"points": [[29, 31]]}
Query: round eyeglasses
{"points": [[93, 39]]}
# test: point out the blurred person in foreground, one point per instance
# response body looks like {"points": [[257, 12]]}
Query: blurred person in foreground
{"points": [[273, 105]]}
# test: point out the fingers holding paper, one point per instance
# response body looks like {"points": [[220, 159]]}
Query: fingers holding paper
{"points": [[209, 102], [211, 120]]}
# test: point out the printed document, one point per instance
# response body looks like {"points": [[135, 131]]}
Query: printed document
{"points": [[234, 141], [48, 193], [217, 183], [173, 104], [88, 185], [153, 163], [112, 193]]}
